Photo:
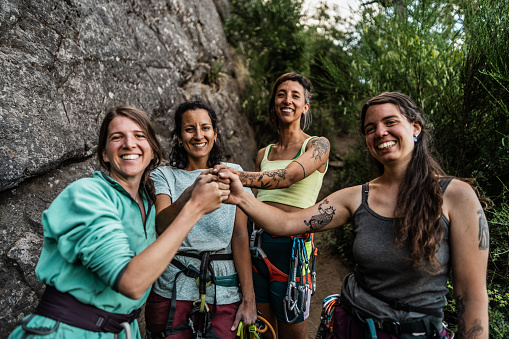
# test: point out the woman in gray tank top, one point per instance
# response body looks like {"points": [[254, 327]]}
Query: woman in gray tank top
{"points": [[412, 225]]}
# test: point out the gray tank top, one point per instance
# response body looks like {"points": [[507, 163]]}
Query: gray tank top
{"points": [[387, 269]]}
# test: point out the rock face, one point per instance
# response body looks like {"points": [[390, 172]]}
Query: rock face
{"points": [[63, 64]]}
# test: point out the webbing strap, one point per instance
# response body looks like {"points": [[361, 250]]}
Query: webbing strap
{"points": [[370, 331], [203, 279]]}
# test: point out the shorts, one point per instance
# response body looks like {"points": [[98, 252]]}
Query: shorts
{"points": [[158, 308], [347, 327], [279, 253]]}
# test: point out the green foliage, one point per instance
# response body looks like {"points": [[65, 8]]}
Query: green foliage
{"points": [[450, 56], [216, 72], [498, 272], [269, 37]]}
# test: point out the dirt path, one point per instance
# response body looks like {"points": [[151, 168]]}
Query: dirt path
{"points": [[329, 276]]}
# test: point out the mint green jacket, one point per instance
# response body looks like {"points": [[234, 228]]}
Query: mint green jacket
{"points": [[91, 232]]}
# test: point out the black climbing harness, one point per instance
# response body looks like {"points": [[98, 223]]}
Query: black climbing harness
{"points": [[427, 326], [204, 277]]}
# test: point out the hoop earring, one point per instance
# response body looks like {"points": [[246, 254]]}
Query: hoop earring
{"points": [[180, 144]]}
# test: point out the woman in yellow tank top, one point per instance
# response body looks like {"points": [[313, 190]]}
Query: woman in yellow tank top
{"points": [[288, 175]]}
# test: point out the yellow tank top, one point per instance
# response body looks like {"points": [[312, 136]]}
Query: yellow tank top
{"points": [[301, 194]]}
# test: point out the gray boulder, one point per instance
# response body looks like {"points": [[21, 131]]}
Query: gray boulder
{"points": [[63, 64]]}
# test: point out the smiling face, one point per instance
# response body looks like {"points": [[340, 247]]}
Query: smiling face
{"points": [[197, 137], [389, 134], [127, 150], [290, 102]]}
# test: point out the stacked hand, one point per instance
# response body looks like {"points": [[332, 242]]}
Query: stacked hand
{"points": [[215, 186]]}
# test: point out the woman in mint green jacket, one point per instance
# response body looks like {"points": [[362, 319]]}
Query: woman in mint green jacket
{"points": [[100, 254]]}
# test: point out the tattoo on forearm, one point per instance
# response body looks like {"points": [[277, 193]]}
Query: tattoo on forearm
{"points": [[321, 147], [484, 233], [475, 331], [323, 219], [263, 180], [303, 170]]}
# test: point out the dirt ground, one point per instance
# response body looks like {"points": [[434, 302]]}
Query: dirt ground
{"points": [[329, 276]]}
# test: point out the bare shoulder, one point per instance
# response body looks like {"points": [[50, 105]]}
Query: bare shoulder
{"points": [[319, 143], [349, 198], [460, 200], [459, 192], [259, 158]]}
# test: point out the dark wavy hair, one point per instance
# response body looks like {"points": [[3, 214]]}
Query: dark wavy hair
{"points": [[140, 118], [305, 119], [178, 155], [419, 203]]}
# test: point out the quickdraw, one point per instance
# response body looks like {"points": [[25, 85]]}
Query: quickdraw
{"points": [[326, 318], [297, 291], [261, 326], [300, 282]]}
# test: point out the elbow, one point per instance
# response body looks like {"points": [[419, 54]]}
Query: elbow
{"points": [[129, 286], [131, 292], [289, 181]]}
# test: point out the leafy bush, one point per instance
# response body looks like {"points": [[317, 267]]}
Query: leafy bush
{"points": [[452, 60], [269, 38]]}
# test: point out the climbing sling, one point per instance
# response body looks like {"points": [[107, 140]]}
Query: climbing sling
{"points": [[204, 277]]}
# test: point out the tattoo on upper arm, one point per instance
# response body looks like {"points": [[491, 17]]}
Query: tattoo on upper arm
{"points": [[484, 233], [303, 170], [475, 331], [263, 180], [323, 219], [321, 146]]}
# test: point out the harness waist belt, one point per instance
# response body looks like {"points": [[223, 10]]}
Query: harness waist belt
{"points": [[387, 326], [65, 308], [396, 303]]}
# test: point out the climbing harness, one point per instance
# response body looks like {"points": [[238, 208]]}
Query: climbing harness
{"points": [[65, 308], [204, 277], [326, 318], [260, 326], [426, 326], [301, 278]]}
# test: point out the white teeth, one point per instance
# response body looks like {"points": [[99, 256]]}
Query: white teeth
{"points": [[130, 156], [386, 144], [288, 110], [200, 145]]}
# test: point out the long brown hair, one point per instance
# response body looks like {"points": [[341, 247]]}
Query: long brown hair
{"points": [[146, 126], [419, 204]]}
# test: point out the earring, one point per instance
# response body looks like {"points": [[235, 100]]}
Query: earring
{"points": [[415, 138], [180, 144]]}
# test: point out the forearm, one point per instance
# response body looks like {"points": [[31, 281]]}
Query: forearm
{"points": [[472, 317], [266, 179], [143, 270], [242, 260], [165, 217]]}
